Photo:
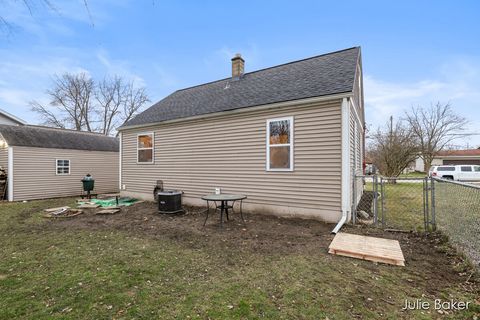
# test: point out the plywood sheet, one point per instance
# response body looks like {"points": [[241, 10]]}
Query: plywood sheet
{"points": [[367, 248]]}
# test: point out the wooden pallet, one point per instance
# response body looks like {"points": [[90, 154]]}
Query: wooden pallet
{"points": [[367, 248]]}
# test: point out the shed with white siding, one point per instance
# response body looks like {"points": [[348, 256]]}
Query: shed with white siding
{"points": [[289, 137], [44, 162]]}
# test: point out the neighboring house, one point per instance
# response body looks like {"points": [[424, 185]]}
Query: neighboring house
{"points": [[7, 118], [289, 137], [46, 162], [468, 156]]}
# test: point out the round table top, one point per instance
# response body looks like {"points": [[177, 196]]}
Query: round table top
{"points": [[224, 197]]}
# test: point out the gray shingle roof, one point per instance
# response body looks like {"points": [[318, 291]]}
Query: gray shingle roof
{"points": [[44, 137], [327, 74]]}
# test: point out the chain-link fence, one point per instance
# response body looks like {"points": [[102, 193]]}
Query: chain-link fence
{"points": [[457, 214], [405, 203], [395, 203], [421, 204]]}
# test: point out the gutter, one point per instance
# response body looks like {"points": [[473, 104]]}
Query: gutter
{"points": [[345, 164], [245, 109]]}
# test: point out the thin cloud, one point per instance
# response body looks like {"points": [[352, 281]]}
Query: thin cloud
{"points": [[119, 67], [457, 83]]}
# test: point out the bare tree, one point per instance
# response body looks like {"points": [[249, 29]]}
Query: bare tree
{"points": [[77, 102], [434, 128], [31, 6], [118, 102], [393, 148], [70, 102]]}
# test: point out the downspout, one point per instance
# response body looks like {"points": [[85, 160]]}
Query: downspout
{"points": [[120, 162], [345, 164], [10, 174]]}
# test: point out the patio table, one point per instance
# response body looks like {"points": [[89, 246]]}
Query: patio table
{"points": [[224, 199]]}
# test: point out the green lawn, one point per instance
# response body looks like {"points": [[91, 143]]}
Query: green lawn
{"points": [[102, 270], [415, 174], [402, 205]]}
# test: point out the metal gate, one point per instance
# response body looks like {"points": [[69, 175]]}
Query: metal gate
{"points": [[394, 203]]}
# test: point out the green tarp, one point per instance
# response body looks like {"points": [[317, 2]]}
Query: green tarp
{"points": [[125, 201]]}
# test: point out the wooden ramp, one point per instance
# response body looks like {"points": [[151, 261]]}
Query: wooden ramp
{"points": [[367, 248]]}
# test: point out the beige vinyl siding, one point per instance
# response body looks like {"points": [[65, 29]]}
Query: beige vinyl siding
{"points": [[356, 153], [229, 151], [35, 172]]}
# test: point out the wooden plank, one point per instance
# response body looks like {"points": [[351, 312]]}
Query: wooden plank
{"points": [[109, 211], [367, 248], [88, 206], [56, 209]]}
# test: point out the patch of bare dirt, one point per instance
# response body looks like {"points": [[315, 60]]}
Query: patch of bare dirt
{"points": [[259, 233], [429, 258], [430, 262]]}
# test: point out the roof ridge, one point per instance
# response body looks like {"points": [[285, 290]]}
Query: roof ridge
{"points": [[67, 130], [272, 67]]}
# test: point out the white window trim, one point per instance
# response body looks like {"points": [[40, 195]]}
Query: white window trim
{"points": [[153, 146], [291, 144], [69, 167]]}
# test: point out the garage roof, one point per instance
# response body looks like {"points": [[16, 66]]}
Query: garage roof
{"points": [[46, 137], [462, 153]]}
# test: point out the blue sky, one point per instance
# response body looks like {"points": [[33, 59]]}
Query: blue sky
{"points": [[414, 52]]}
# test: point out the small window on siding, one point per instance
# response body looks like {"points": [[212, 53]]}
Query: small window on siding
{"points": [[62, 166], [280, 144], [145, 148]]}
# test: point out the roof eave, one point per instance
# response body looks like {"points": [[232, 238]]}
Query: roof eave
{"points": [[246, 109]]}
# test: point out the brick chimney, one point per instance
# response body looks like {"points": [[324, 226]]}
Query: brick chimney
{"points": [[238, 66]]}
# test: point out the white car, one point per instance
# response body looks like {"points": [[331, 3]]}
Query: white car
{"points": [[456, 172]]}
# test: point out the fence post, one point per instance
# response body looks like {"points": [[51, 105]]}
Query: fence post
{"points": [[425, 201], [433, 222], [382, 190], [375, 199]]}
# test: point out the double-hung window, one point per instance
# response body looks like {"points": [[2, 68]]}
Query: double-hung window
{"points": [[145, 144], [280, 144], [62, 167]]}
